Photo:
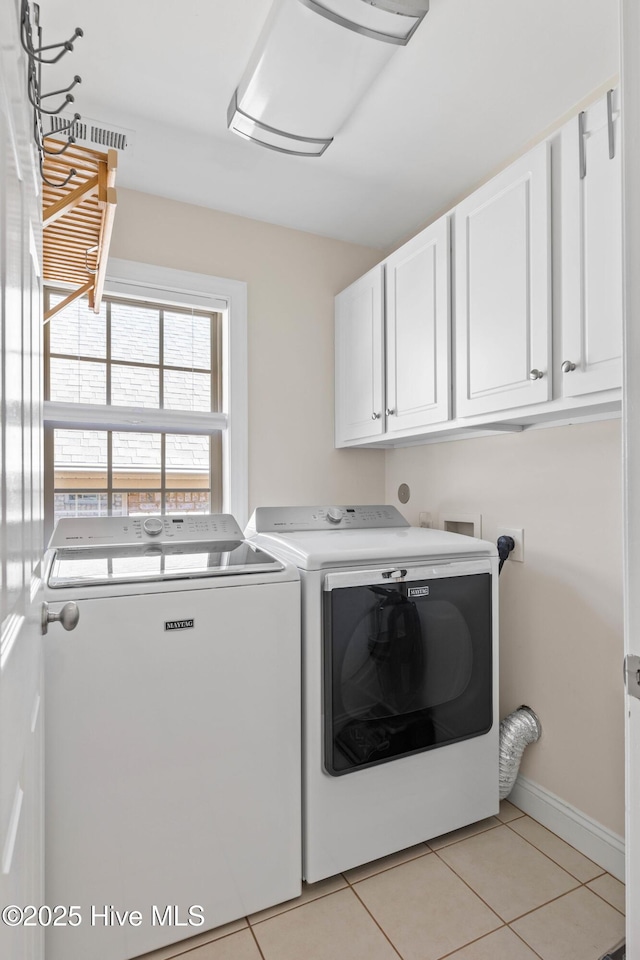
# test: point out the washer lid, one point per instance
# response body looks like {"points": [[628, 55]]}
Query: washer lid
{"points": [[336, 548], [144, 563]]}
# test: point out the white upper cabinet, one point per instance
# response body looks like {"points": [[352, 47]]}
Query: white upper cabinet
{"points": [[417, 331], [592, 250], [484, 295], [502, 290], [359, 346]]}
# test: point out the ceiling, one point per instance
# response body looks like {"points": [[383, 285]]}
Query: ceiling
{"points": [[479, 79]]}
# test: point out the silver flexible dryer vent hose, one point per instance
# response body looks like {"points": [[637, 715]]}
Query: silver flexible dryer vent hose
{"points": [[516, 731]]}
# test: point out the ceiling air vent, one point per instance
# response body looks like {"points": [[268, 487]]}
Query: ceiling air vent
{"points": [[78, 127], [93, 133], [109, 138]]}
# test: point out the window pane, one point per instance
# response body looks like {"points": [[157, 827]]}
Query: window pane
{"points": [[187, 461], [187, 391], [187, 501], [80, 459], [135, 332], [77, 329], [134, 386], [138, 502], [136, 460], [80, 505], [78, 381], [187, 340]]}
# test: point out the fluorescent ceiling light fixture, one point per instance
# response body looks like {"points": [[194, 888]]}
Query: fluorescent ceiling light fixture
{"points": [[314, 61]]}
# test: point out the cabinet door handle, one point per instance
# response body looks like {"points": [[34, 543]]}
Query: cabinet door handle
{"points": [[568, 366], [375, 416], [610, 130], [535, 374], [582, 149], [389, 412]]}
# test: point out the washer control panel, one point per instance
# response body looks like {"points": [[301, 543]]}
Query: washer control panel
{"points": [[351, 517], [116, 531]]}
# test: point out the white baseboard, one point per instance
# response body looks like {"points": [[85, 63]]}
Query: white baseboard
{"points": [[589, 837]]}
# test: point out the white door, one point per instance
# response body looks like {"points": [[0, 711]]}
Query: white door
{"points": [[21, 699], [631, 410], [359, 346], [417, 297], [592, 250], [502, 290]]}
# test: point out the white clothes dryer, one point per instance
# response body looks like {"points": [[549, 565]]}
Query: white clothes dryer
{"points": [[172, 731], [400, 679]]}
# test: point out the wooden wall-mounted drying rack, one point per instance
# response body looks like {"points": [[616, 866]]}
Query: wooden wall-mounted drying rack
{"points": [[78, 218]]}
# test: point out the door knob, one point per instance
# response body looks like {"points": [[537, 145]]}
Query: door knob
{"points": [[68, 616], [389, 412], [375, 416], [535, 374], [568, 366]]}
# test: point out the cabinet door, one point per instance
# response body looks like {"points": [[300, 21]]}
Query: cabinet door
{"points": [[417, 330], [359, 347], [502, 290], [592, 250]]}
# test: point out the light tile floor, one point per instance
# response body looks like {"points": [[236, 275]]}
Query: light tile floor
{"points": [[502, 889]]}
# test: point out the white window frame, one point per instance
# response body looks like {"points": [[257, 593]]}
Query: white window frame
{"points": [[145, 281]]}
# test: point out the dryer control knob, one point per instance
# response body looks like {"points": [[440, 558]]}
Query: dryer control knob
{"points": [[334, 514], [152, 526]]}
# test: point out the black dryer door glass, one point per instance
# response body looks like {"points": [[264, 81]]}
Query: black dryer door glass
{"points": [[408, 667]]}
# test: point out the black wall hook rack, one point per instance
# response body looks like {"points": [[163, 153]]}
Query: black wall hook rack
{"points": [[34, 53]]}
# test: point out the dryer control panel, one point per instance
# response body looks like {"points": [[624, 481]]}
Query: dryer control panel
{"points": [[350, 517], [119, 531]]}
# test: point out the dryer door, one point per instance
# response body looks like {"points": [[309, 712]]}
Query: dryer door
{"points": [[407, 661]]}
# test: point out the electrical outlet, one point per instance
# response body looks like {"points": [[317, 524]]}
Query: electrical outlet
{"points": [[518, 537], [424, 519]]}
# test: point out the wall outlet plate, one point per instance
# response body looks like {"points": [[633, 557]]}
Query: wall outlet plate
{"points": [[518, 536], [424, 519]]}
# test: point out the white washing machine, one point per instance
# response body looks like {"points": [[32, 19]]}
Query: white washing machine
{"points": [[172, 732], [400, 679]]}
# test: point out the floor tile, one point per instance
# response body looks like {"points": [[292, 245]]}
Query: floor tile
{"points": [[177, 949], [565, 856], [333, 927], [385, 863], [425, 910], [508, 811], [575, 927], [501, 945], [610, 890], [463, 833], [310, 891], [239, 946], [507, 872]]}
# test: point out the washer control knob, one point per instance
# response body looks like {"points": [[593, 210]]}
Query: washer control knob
{"points": [[152, 526], [334, 514]]}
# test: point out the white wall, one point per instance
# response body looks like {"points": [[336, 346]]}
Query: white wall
{"points": [[561, 644], [561, 610], [292, 278]]}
